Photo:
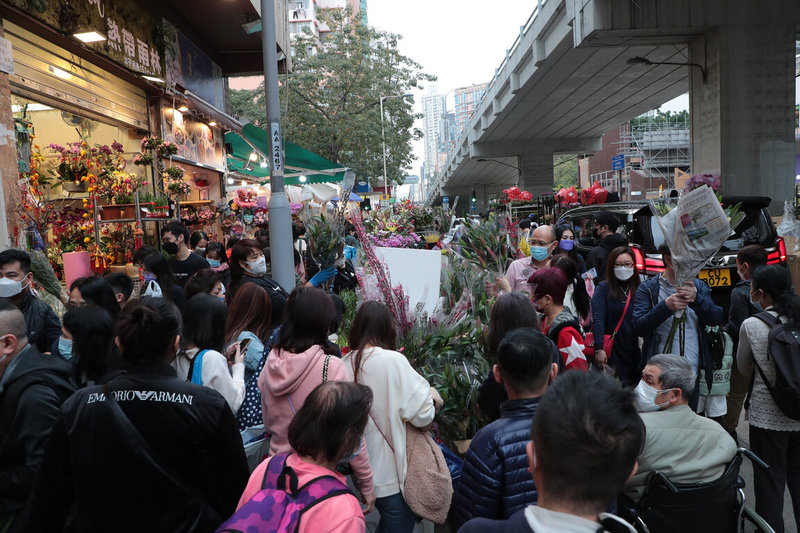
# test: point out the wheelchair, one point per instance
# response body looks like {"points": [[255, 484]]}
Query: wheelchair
{"points": [[714, 507]]}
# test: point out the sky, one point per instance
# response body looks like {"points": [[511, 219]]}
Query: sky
{"points": [[461, 42]]}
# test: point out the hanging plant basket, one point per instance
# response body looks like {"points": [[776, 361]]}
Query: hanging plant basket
{"points": [[72, 186]]}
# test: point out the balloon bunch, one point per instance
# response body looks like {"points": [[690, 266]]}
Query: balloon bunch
{"points": [[567, 197], [594, 195], [514, 194]]}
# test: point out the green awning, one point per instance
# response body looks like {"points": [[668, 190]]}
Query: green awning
{"points": [[297, 161]]}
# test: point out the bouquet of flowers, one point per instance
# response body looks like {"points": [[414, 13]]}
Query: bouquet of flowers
{"points": [[260, 218], [178, 187], [694, 230], [246, 198], [143, 159], [295, 207], [166, 149], [206, 215], [188, 215]]}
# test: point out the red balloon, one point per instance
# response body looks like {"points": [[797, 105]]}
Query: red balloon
{"points": [[526, 195]]}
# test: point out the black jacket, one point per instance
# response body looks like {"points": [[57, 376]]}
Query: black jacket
{"points": [[495, 482], [29, 403], [277, 295], [43, 325], [598, 257], [187, 477]]}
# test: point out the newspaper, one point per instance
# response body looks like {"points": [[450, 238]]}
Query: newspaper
{"points": [[694, 231]]}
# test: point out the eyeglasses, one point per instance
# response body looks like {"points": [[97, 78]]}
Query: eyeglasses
{"points": [[627, 265], [540, 243]]}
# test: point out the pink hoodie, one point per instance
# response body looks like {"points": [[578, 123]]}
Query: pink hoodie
{"points": [[285, 382], [339, 514]]}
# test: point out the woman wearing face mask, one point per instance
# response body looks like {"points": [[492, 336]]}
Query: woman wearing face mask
{"points": [[774, 437], [611, 299], [198, 242], [562, 327], [158, 282], [566, 246], [249, 265], [401, 396], [88, 343]]}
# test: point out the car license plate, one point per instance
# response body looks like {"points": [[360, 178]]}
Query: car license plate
{"points": [[716, 277]]}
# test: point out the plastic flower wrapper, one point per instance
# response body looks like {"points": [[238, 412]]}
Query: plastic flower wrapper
{"points": [[694, 231], [325, 238]]}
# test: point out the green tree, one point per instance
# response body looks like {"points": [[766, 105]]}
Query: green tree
{"points": [[334, 91], [248, 105], [565, 171]]}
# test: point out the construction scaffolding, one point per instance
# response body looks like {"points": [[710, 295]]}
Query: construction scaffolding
{"points": [[654, 146]]}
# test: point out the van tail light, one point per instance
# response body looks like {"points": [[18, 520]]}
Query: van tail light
{"points": [[638, 259], [646, 265], [778, 255]]}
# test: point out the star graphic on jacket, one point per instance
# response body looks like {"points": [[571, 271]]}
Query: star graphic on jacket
{"points": [[573, 351]]}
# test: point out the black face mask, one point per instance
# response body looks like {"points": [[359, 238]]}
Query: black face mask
{"points": [[595, 234], [170, 247]]}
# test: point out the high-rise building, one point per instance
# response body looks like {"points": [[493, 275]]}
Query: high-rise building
{"points": [[304, 15], [466, 101], [433, 109]]}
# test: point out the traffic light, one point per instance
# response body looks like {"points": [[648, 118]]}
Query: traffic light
{"points": [[367, 204], [473, 200]]}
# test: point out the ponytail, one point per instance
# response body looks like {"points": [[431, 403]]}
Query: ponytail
{"points": [[147, 330], [776, 282]]}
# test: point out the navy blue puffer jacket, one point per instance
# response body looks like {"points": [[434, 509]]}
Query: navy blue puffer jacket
{"points": [[495, 482]]}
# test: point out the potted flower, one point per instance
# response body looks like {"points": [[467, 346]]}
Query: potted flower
{"points": [[73, 165], [178, 187]]}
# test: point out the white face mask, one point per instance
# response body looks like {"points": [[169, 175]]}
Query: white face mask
{"points": [[623, 273], [9, 287], [258, 267], [646, 396]]}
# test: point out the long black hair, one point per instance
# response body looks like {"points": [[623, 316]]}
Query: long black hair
{"points": [[204, 319], [581, 298], [373, 325], [510, 311], [97, 291], [307, 319], [92, 329], [156, 264], [776, 282]]}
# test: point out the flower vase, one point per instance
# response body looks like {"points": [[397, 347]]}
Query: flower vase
{"points": [[76, 265], [72, 186]]}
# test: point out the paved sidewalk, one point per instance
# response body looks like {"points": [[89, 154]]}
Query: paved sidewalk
{"points": [[747, 474]]}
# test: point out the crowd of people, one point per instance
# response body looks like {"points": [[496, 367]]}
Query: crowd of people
{"points": [[212, 399]]}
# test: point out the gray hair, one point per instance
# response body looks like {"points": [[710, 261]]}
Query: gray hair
{"points": [[676, 373]]}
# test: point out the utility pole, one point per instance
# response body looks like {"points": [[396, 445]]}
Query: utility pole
{"points": [[280, 217]]}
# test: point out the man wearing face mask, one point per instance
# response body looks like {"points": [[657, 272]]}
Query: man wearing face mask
{"points": [[605, 227], [684, 446], [32, 388], [654, 308], [184, 263], [542, 242], [16, 280]]}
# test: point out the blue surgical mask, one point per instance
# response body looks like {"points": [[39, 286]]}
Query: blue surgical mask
{"points": [[65, 348], [213, 263], [566, 244], [148, 276], [540, 253]]}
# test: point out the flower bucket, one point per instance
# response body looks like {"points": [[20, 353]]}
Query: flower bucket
{"points": [[71, 186], [76, 265]]}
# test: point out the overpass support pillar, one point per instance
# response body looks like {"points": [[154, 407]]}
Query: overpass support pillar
{"points": [[536, 172], [742, 114]]}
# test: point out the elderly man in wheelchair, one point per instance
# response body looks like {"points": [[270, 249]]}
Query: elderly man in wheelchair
{"points": [[688, 477]]}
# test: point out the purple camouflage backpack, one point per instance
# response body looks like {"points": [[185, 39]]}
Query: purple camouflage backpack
{"points": [[278, 508]]}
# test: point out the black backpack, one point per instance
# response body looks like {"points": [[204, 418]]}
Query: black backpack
{"points": [[784, 350]]}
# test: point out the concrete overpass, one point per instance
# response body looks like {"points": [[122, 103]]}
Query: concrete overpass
{"points": [[569, 77]]}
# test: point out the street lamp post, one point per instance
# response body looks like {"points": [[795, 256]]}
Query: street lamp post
{"points": [[383, 137]]}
